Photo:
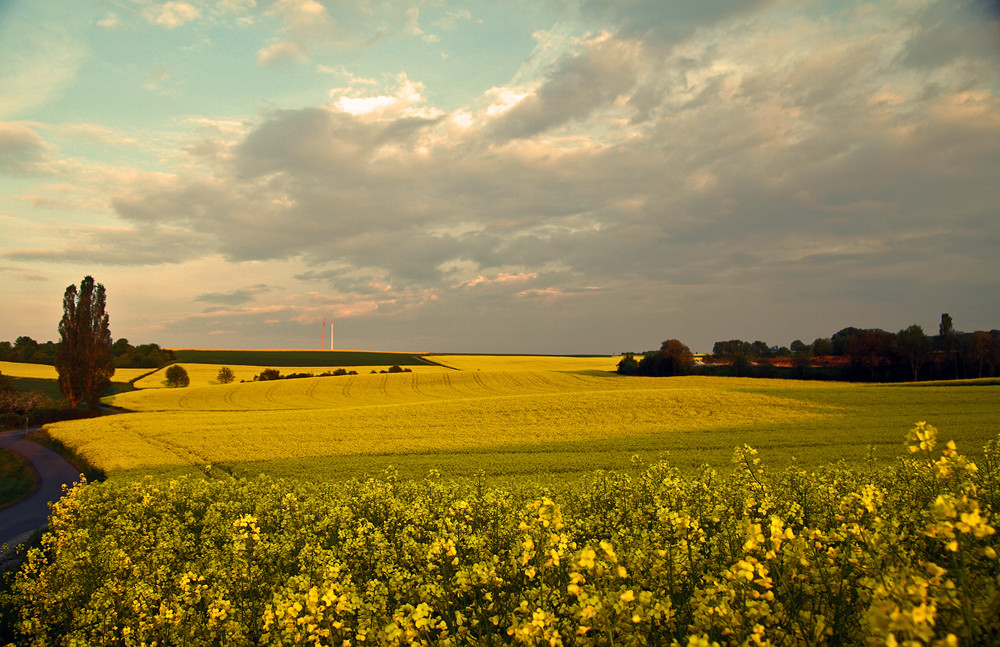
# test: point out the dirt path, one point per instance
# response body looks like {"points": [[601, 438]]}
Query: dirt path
{"points": [[19, 521]]}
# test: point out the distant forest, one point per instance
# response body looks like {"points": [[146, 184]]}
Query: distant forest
{"points": [[854, 354], [26, 349]]}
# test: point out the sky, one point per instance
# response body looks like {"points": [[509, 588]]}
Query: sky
{"points": [[500, 176]]}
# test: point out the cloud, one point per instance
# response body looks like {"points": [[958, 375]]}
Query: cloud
{"points": [[281, 52], [412, 26], [21, 149], [23, 273], [235, 6], [174, 14], [946, 34], [407, 100], [583, 83], [110, 246], [738, 159], [111, 21], [452, 20], [302, 17], [159, 79], [668, 21], [501, 278], [234, 298]]}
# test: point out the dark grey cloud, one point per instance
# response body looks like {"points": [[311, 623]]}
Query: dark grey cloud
{"points": [[581, 83], [234, 298], [954, 33], [143, 245], [23, 273], [21, 149], [667, 21]]}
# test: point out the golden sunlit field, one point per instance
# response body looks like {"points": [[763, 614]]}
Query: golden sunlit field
{"points": [[525, 499], [548, 415], [46, 372], [31, 371]]}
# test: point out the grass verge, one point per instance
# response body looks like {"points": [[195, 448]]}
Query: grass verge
{"points": [[17, 478]]}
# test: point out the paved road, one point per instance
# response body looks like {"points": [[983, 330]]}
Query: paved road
{"points": [[19, 521]]}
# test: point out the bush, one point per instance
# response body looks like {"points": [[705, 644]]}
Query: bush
{"points": [[177, 376], [268, 374], [225, 376]]}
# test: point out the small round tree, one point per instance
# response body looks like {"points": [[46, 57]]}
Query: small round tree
{"points": [[225, 376], [177, 376]]}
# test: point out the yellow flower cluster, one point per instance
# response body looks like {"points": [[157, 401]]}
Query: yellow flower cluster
{"points": [[893, 556]]}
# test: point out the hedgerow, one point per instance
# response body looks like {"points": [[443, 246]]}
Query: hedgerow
{"points": [[898, 555]]}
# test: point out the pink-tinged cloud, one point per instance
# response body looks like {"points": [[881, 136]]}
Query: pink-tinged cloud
{"points": [[541, 292], [502, 277]]}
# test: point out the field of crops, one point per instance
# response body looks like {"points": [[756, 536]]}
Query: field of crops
{"points": [[529, 421], [46, 372], [289, 358], [879, 555], [471, 503]]}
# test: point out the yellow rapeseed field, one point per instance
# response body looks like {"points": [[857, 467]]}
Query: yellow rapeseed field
{"points": [[407, 414], [425, 385], [46, 372], [509, 422], [31, 371]]}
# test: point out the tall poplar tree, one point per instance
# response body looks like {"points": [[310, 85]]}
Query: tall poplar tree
{"points": [[84, 358]]}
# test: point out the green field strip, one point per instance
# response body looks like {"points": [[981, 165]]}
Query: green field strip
{"points": [[285, 358]]}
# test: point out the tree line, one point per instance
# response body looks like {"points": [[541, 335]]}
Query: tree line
{"points": [[123, 354], [855, 354]]}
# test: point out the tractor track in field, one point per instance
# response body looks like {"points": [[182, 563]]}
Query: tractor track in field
{"points": [[311, 391], [230, 398]]}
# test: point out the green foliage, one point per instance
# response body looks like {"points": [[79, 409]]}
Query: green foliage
{"points": [[268, 374], [26, 349], [902, 555], [177, 376], [628, 365], [83, 359], [142, 356], [23, 403], [225, 376], [673, 358], [16, 478]]}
